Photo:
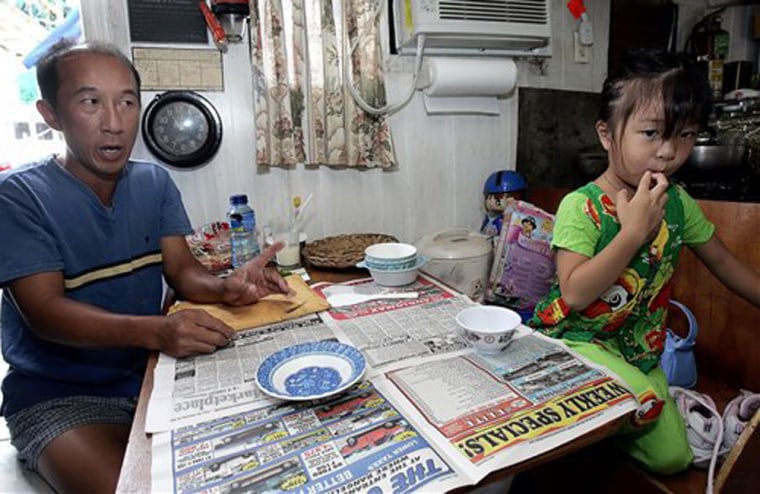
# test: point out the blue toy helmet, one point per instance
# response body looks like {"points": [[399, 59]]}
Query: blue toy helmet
{"points": [[504, 181]]}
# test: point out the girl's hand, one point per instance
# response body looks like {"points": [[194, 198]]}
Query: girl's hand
{"points": [[254, 280], [642, 216]]}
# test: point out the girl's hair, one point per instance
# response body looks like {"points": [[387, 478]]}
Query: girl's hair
{"points": [[49, 74], [646, 76]]}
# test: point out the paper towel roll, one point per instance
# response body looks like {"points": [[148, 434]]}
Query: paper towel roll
{"points": [[447, 77]]}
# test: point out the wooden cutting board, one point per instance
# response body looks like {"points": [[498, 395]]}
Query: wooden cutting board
{"points": [[269, 310]]}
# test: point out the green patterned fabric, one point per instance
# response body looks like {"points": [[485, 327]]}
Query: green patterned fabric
{"points": [[629, 318]]}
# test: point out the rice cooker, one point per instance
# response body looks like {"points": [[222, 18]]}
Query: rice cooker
{"points": [[460, 258]]}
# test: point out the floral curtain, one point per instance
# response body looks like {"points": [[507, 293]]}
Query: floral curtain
{"points": [[304, 111]]}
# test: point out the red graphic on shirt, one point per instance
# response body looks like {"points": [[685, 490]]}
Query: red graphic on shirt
{"points": [[554, 312], [608, 207], [656, 339], [590, 210], [649, 409]]}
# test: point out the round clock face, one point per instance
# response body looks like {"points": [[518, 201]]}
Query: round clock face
{"points": [[182, 128]]}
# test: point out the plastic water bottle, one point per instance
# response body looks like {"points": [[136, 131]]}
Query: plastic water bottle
{"points": [[242, 230]]}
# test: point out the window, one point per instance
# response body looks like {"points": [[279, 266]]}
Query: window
{"points": [[27, 29]]}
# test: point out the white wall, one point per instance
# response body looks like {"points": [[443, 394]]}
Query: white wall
{"points": [[561, 70], [443, 160]]}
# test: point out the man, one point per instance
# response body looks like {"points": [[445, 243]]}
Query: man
{"points": [[86, 239]]}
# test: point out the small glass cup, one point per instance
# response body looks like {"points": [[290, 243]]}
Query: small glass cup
{"points": [[284, 230]]}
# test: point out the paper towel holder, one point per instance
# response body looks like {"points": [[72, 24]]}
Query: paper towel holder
{"points": [[461, 86]]}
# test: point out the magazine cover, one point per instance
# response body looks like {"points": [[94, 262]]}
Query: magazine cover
{"points": [[523, 269]]}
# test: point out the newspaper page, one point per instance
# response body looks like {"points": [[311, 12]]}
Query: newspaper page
{"points": [[195, 389], [427, 428], [357, 442], [431, 416], [488, 413], [391, 333], [427, 288]]}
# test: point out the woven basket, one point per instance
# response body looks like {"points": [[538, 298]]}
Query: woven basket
{"points": [[342, 251]]}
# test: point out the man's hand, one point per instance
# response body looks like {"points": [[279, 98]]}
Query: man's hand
{"points": [[643, 214], [192, 332], [254, 280]]}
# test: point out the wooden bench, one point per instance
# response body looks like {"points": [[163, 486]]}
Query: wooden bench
{"points": [[728, 360]]}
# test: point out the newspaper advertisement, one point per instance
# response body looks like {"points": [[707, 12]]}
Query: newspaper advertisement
{"points": [[428, 428], [498, 411], [427, 288], [194, 389], [357, 442], [431, 414]]}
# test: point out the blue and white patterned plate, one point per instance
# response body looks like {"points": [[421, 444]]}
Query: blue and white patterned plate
{"points": [[309, 371]]}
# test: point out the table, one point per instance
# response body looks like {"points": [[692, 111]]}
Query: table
{"points": [[135, 471]]}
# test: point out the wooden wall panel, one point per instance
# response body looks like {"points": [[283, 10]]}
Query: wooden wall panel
{"points": [[728, 345]]}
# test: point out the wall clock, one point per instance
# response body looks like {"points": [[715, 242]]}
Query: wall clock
{"points": [[182, 128]]}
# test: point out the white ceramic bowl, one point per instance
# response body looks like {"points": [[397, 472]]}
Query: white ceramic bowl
{"points": [[397, 277], [488, 328], [390, 255]]}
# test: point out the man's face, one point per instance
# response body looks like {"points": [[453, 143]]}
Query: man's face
{"points": [[98, 112]]}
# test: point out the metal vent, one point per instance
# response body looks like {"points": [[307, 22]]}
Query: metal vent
{"points": [[501, 11]]}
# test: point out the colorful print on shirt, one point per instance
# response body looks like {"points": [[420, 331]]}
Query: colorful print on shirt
{"points": [[629, 318]]}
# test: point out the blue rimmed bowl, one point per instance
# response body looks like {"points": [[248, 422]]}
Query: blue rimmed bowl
{"points": [[396, 277], [390, 255], [310, 371]]}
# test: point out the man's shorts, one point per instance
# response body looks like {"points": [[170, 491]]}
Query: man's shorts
{"points": [[35, 427]]}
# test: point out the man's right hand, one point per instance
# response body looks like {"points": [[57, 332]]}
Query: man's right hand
{"points": [[192, 332]]}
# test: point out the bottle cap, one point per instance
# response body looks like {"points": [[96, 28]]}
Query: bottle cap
{"points": [[238, 199]]}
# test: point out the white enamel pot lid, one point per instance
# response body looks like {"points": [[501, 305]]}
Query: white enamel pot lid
{"points": [[455, 244]]}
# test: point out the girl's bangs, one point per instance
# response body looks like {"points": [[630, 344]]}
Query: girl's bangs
{"points": [[683, 102]]}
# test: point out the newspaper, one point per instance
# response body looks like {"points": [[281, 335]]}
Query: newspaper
{"points": [[429, 417], [429, 428], [390, 334], [358, 442], [194, 389], [488, 413]]}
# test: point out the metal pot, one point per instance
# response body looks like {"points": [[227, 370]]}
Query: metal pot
{"points": [[717, 156]]}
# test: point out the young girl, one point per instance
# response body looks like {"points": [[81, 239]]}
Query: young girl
{"points": [[618, 239]]}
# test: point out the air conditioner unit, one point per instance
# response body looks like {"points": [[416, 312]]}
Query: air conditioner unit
{"points": [[472, 27]]}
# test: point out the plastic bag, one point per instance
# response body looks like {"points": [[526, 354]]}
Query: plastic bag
{"points": [[210, 244], [523, 269], [677, 360]]}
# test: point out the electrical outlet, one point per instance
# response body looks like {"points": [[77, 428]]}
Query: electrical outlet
{"points": [[582, 53]]}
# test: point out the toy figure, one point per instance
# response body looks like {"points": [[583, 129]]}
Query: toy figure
{"points": [[499, 188]]}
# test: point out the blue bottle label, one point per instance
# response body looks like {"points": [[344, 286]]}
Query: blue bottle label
{"points": [[236, 222], [249, 222], [240, 222]]}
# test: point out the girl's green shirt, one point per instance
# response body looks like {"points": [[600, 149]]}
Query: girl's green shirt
{"points": [[629, 318]]}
